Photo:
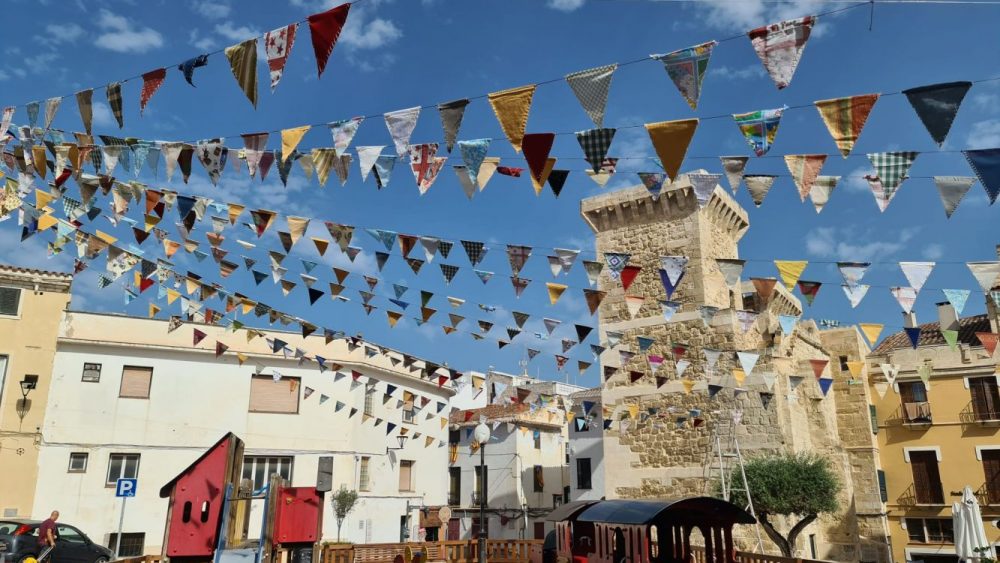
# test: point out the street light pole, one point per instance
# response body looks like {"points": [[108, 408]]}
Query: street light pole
{"points": [[482, 435]]}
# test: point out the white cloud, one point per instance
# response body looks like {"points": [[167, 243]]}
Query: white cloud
{"points": [[56, 34], [202, 43], [751, 71], [565, 5], [234, 33], [103, 116], [934, 251], [123, 36], [984, 135], [371, 35], [853, 243], [855, 181], [212, 9], [748, 14], [985, 100]]}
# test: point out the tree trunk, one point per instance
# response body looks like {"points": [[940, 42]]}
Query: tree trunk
{"points": [[339, 523], [785, 543]]}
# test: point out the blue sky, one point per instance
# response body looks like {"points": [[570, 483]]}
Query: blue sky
{"points": [[397, 54]]}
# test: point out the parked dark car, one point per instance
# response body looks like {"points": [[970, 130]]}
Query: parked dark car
{"points": [[19, 541]]}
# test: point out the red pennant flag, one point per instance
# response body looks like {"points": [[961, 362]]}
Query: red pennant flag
{"points": [[628, 275], [442, 379], [634, 376], [356, 375], [151, 82], [220, 348], [198, 336], [818, 367], [536, 147], [467, 415], [325, 28], [989, 340]]}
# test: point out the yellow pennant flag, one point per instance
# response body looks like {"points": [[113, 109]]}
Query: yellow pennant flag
{"points": [[297, 227], [539, 183], [247, 306], [855, 369], [42, 198], [137, 279], [191, 285], [790, 271], [290, 138], [428, 440], [393, 318], [153, 310], [105, 237], [323, 162], [150, 222], [172, 295], [671, 140], [444, 422], [871, 331], [688, 385], [46, 221], [38, 156], [739, 376], [555, 291], [241, 357], [234, 211], [511, 108], [570, 415]]}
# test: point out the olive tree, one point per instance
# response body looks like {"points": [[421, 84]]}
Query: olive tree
{"points": [[800, 485], [343, 502]]}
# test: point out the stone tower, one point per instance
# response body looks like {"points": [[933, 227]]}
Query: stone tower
{"points": [[661, 439]]}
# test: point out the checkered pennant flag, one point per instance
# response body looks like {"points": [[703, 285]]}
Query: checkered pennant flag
{"points": [[475, 250], [891, 167], [591, 88], [449, 272], [595, 144]]}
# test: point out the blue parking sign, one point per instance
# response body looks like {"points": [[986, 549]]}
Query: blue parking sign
{"points": [[126, 487]]}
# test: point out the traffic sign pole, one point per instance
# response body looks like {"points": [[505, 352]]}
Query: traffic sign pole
{"points": [[124, 488], [121, 522]]}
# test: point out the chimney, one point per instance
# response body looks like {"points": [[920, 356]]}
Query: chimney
{"points": [[909, 319], [946, 316]]}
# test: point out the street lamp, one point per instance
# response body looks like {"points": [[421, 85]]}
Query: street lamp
{"points": [[482, 435]]}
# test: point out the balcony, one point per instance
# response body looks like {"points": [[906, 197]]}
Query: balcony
{"points": [[912, 497], [917, 413], [454, 498], [983, 416]]}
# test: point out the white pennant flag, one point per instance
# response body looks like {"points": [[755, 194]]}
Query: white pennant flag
{"points": [[366, 159], [916, 273], [890, 371], [401, 124], [591, 87], [905, 296], [986, 273], [466, 182], [952, 189], [734, 166], [704, 186], [674, 267], [748, 360], [821, 190], [855, 293]]}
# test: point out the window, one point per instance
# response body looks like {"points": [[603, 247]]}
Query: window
{"points": [[538, 439], [364, 477], [557, 501], [583, 473], [260, 468], [405, 475], [369, 403], [991, 467], [132, 544], [91, 373], [873, 417], [10, 301], [926, 478], [930, 530], [985, 397], [843, 363], [539, 478], [68, 534], [270, 396], [408, 411], [454, 486], [122, 466], [883, 490], [135, 382], [914, 397], [479, 486], [78, 462]]}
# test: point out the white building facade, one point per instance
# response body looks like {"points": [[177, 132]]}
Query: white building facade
{"points": [[526, 471], [130, 399], [586, 447]]}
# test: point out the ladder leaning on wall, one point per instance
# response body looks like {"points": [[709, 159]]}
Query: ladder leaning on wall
{"points": [[724, 445]]}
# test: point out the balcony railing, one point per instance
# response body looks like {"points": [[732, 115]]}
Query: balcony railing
{"points": [[912, 497], [917, 413], [984, 416], [454, 499], [987, 495]]}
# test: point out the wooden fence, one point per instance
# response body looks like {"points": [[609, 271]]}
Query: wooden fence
{"points": [[748, 557]]}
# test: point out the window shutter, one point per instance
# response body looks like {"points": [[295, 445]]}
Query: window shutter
{"points": [[926, 479], [991, 467], [873, 415], [270, 396], [135, 382], [10, 298], [405, 474], [883, 490]]}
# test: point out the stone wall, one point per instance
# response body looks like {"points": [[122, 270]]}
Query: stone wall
{"points": [[651, 454]]}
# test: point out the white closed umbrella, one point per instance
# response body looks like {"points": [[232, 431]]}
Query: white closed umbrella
{"points": [[968, 526]]}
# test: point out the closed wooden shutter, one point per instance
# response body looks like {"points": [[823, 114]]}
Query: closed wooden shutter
{"points": [[926, 478], [268, 395], [991, 467], [985, 399], [883, 489], [135, 382], [405, 475]]}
